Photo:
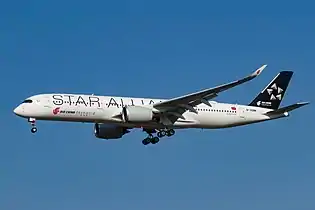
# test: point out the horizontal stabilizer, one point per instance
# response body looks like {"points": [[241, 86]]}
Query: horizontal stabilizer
{"points": [[287, 108]]}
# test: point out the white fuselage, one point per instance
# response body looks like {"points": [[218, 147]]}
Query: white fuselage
{"points": [[103, 109]]}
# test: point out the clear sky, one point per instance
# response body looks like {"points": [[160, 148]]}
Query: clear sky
{"points": [[157, 49]]}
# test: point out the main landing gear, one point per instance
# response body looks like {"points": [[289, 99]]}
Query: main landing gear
{"points": [[150, 139], [33, 121], [155, 139]]}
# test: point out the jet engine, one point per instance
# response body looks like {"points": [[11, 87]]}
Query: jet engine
{"points": [[137, 114], [104, 131]]}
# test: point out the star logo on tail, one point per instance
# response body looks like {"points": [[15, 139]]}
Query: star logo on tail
{"points": [[275, 92]]}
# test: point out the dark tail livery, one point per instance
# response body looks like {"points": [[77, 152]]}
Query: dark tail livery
{"points": [[273, 94]]}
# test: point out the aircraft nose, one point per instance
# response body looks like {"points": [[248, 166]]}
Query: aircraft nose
{"points": [[18, 111]]}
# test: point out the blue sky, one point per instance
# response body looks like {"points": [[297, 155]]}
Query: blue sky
{"points": [[156, 49]]}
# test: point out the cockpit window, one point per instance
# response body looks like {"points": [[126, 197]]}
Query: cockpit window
{"points": [[28, 101]]}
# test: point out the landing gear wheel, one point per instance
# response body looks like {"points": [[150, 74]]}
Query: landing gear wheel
{"points": [[170, 132], [146, 141], [33, 121], [161, 134], [34, 130], [155, 140]]}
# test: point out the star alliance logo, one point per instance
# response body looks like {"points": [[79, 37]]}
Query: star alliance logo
{"points": [[275, 92]]}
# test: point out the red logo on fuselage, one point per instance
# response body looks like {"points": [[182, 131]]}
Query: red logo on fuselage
{"points": [[56, 111]]}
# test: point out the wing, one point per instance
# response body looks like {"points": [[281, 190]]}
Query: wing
{"points": [[177, 106]]}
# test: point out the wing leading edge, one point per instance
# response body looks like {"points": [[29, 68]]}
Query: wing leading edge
{"points": [[173, 109], [187, 102]]}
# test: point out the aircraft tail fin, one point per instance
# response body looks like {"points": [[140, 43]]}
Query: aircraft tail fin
{"points": [[286, 109], [273, 93]]}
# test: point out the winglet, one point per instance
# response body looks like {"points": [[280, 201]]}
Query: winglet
{"points": [[259, 70]]}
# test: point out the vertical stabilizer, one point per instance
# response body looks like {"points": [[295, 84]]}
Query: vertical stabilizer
{"points": [[273, 94]]}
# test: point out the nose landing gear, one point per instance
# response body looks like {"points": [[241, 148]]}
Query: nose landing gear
{"points": [[34, 130], [33, 124]]}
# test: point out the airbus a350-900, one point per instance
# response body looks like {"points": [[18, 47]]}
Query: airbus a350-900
{"points": [[115, 116]]}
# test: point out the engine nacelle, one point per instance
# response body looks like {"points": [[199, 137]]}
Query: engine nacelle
{"points": [[104, 131], [137, 114]]}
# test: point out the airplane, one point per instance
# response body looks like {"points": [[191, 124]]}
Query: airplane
{"points": [[113, 117]]}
